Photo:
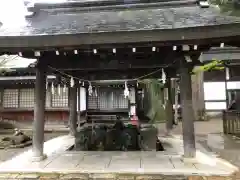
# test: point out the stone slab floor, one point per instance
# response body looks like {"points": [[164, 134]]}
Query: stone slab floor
{"points": [[6, 154], [105, 165], [62, 164]]}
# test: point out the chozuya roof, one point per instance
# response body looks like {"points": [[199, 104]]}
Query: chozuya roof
{"points": [[73, 21], [14, 62]]}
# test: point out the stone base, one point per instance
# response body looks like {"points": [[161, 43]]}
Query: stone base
{"points": [[189, 160], [71, 134], [169, 134], [38, 158], [149, 135]]}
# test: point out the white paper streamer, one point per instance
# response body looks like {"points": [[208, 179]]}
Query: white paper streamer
{"points": [[126, 90], [53, 90], [72, 82], [90, 90], [64, 88], [163, 77], [59, 90]]}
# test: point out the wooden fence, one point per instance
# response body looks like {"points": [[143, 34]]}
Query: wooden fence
{"points": [[231, 122]]}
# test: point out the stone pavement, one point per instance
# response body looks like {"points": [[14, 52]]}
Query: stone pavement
{"points": [[214, 126], [62, 164], [224, 146], [112, 165], [76, 176], [210, 135], [6, 154]]}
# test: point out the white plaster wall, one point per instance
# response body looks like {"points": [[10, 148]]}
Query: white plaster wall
{"points": [[82, 99], [216, 91]]}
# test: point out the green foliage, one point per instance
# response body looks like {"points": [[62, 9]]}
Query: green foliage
{"points": [[228, 7], [154, 105], [154, 100], [213, 65]]}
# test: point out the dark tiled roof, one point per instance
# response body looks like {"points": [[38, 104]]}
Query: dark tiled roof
{"points": [[65, 21]]}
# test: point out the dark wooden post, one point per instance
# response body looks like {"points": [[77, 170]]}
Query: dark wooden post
{"points": [[187, 110], [224, 122], [79, 105], [73, 109], [39, 110], [169, 108]]}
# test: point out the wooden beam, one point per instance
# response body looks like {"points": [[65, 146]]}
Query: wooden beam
{"points": [[104, 60], [115, 74]]}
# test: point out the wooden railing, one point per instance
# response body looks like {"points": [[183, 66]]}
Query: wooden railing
{"points": [[231, 122]]}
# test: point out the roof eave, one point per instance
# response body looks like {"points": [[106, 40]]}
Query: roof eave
{"points": [[194, 35]]}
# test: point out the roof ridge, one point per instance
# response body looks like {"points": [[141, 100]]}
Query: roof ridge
{"points": [[101, 5], [92, 3]]}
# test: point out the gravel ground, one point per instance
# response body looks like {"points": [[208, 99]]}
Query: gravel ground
{"points": [[6, 154]]}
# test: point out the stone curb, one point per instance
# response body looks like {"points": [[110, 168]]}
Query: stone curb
{"points": [[50, 130], [27, 130], [53, 176]]}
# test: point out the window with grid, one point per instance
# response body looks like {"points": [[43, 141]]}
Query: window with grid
{"points": [[26, 98], [94, 99], [10, 98], [122, 101], [60, 100], [115, 98], [108, 99], [105, 99]]}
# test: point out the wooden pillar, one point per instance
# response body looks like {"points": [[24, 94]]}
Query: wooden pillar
{"points": [[169, 108], [187, 110], [39, 110], [73, 109], [79, 105], [198, 96], [176, 101]]}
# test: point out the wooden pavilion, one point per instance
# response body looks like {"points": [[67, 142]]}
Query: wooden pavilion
{"points": [[89, 40]]}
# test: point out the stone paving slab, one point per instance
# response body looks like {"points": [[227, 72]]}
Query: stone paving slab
{"points": [[116, 162], [154, 163], [95, 176], [123, 165], [69, 160]]}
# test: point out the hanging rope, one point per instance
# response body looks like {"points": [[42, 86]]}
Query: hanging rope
{"points": [[135, 79]]}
